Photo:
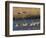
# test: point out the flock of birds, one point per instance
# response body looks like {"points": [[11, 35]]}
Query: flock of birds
{"points": [[31, 24]]}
